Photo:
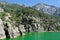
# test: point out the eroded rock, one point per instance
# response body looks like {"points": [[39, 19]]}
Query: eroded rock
{"points": [[12, 32], [22, 29], [2, 32]]}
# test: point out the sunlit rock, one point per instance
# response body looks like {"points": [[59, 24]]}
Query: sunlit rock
{"points": [[2, 32], [22, 29]]}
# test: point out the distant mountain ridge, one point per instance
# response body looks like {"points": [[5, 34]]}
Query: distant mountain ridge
{"points": [[16, 20], [45, 8]]}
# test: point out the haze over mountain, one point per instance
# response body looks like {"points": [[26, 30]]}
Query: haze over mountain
{"points": [[45, 8], [49, 9], [16, 19]]}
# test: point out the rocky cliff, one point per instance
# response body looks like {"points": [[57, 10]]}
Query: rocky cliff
{"points": [[15, 20], [2, 32], [49, 9], [7, 27]]}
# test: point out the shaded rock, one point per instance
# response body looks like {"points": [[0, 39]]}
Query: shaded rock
{"points": [[12, 32], [22, 29], [28, 28], [34, 26], [40, 28], [37, 27]]}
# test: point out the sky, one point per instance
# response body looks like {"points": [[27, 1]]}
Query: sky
{"points": [[33, 2]]}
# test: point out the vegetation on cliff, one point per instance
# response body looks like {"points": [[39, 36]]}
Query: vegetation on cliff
{"points": [[20, 14]]}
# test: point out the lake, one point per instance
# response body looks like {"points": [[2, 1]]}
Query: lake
{"points": [[38, 36]]}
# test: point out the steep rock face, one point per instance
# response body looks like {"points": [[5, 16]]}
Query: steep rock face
{"points": [[28, 28], [7, 28], [12, 32], [2, 32], [22, 29], [32, 24], [35, 24], [37, 27]]}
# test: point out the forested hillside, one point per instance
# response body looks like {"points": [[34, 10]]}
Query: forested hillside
{"points": [[15, 18]]}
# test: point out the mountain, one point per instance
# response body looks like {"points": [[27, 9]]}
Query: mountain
{"points": [[18, 19], [49, 9]]}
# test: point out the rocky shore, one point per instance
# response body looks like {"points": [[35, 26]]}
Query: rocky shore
{"points": [[30, 24], [9, 30], [15, 21]]}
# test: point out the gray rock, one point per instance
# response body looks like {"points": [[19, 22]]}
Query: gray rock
{"points": [[37, 27], [40, 28], [12, 32], [2, 32], [22, 29], [49, 9]]}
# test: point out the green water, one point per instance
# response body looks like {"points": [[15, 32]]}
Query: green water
{"points": [[38, 36]]}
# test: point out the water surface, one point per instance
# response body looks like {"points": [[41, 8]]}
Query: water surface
{"points": [[38, 36]]}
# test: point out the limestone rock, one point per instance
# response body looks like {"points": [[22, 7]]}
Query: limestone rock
{"points": [[22, 29], [40, 28], [2, 32], [12, 32]]}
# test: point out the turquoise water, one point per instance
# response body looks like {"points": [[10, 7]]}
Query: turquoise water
{"points": [[38, 36]]}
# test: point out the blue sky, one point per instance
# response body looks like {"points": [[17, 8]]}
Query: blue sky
{"points": [[33, 2]]}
